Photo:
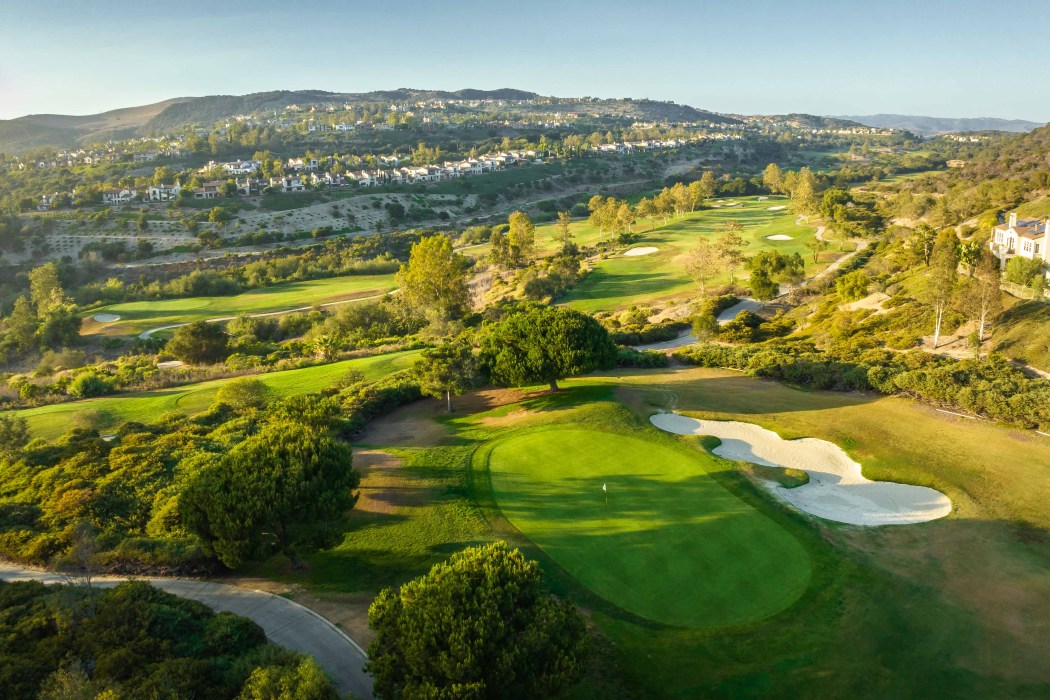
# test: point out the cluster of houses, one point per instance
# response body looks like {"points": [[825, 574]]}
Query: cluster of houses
{"points": [[1027, 238]]}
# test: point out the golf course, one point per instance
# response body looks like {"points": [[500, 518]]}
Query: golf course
{"points": [[137, 316], [705, 583], [52, 420]]}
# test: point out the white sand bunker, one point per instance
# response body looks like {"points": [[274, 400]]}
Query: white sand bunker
{"points": [[635, 252], [780, 207], [762, 199], [836, 489], [780, 237], [105, 318]]}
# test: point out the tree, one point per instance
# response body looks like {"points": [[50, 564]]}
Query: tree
{"points": [[448, 369], [45, 289], [707, 185], [773, 178], [521, 235], [763, 287], [703, 262], [244, 392], [199, 342], [705, 326], [14, 435], [816, 245], [434, 282], [942, 279], [305, 681], [478, 626], [22, 325], [983, 298], [286, 487], [852, 285], [646, 208], [730, 246], [564, 230], [59, 325], [925, 237], [545, 344]]}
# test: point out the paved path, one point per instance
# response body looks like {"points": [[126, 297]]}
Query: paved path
{"points": [[286, 623]]}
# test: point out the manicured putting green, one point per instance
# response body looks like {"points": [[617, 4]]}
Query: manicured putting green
{"points": [[669, 543]]}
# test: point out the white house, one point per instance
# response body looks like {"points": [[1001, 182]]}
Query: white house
{"points": [[119, 195], [209, 190], [1028, 238], [164, 193], [288, 183]]}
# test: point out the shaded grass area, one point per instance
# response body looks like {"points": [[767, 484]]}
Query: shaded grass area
{"points": [[1023, 333], [108, 411], [137, 316]]}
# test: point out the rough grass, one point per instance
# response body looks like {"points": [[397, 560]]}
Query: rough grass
{"points": [[667, 542], [108, 411], [137, 316], [1023, 333]]}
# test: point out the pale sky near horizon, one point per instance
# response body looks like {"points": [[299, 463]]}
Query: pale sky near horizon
{"points": [[965, 58]]}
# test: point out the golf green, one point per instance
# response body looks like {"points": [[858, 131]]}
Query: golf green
{"points": [[666, 541]]}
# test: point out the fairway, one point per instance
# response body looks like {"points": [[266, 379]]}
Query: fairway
{"points": [[620, 281], [137, 316], [146, 406], [668, 543]]}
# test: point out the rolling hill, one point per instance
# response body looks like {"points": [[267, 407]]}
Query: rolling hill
{"points": [[943, 125]]}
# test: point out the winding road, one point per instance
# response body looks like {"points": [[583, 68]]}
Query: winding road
{"points": [[286, 623]]}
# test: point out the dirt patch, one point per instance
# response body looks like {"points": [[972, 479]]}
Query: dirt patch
{"points": [[384, 487], [347, 611]]}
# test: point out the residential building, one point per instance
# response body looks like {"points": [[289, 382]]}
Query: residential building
{"points": [[164, 193], [1027, 238]]}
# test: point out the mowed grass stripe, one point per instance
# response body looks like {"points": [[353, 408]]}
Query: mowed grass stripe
{"points": [[671, 544], [147, 406], [137, 316]]}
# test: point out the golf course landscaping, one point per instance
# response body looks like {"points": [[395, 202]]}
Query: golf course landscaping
{"points": [[702, 582], [104, 412], [635, 517], [137, 316]]}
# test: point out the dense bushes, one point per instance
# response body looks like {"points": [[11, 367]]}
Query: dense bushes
{"points": [[629, 357], [991, 387], [134, 641]]}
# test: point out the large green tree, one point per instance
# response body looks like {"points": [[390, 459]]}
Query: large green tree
{"points": [[434, 282], [448, 369], [521, 235], [199, 342], [478, 626], [545, 344], [942, 279], [285, 488]]}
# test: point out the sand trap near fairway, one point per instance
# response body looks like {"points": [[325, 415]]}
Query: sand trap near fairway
{"points": [[836, 490], [635, 252], [780, 207], [779, 237], [105, 318]]}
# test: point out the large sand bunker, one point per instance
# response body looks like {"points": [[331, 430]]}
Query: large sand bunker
{"points": [[780, 207], [779, 237], [836, 489], [635, 252], [105, 318]]}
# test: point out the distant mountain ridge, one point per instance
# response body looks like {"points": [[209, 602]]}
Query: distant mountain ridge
{"points": [[942, 125], [65, 131]]}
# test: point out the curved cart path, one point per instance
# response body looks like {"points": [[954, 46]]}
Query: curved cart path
{"points": [[286, 623]]}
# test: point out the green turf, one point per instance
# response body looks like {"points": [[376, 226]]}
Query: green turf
{"points": [[621, 281], [55, 419], [667, 542], [137, 316]]}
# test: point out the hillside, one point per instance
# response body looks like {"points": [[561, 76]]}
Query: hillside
{"points": [[69, 131], [942, 125]]}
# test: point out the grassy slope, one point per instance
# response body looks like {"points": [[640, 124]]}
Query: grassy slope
{"points": [[53, 420], [664, 521], [137, 316], [1023, 332], [956, 607]]}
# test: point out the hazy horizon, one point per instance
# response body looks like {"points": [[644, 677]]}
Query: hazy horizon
{"points": [[753, 57]]}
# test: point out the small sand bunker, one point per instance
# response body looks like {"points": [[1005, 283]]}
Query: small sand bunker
{"points": [[836, 490], [779, 207], [780, 237], [635, 252], [105, 318], [733, 204], [762, 199]]}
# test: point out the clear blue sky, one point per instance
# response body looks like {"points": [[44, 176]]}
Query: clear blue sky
{"points": [[932, 57]]}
